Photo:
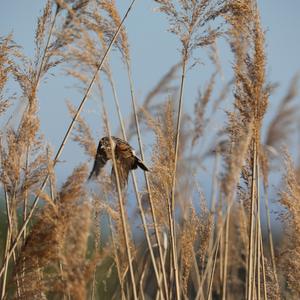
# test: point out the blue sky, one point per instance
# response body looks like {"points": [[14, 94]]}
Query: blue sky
{"points": [[153, 52]]}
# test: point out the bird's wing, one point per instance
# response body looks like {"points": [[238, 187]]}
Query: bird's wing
{"points": [[100, 160], [126, 153], [123, 150], [123, 170], [124, 161]]}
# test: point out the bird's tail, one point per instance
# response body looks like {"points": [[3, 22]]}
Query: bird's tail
{"points": [[140, 164]]}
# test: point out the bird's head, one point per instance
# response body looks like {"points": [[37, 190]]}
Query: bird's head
{"points": [[106, 144]]}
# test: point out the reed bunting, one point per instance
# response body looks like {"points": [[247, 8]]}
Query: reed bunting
{"points": [[125, 158]]}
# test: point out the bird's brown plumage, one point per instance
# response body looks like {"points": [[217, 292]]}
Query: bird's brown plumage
{"points": [[125, 157]]}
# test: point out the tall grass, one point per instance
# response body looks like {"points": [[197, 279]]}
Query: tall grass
{"points": [[81, 242]]}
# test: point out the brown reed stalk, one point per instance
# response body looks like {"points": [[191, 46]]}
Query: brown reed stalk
{"points": [[164, 277], [201, 13], [122, 209], [29, 92], [67, 134], [134, 177], [25, 202], [224, 275], [37, 81], [200, 292], [110, 7], [230, 179], [141, 209], [212, 272], [117, 259], [260, 256], [251, 279], [214, 190], [220, 220], [172, 202], [251, 103], [46, 49], [9, 236], [7, 244], [264, 269], [270, 235]]}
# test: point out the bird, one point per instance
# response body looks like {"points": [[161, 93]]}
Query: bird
{"points": [[125, 159]]}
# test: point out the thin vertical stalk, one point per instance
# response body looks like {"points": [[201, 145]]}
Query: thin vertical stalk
{"points": [[209, 297], [263, 269], [216, 246], [7, 243], [171, 276], [172, 206], [37, 81], [224, 276], [147, 183], [209, 261], [215, 183], [117, 259], [122, 209], [270, 235], [66, 137], [258, 230], [142, 296], [25, 202], [260, 245], [94, 286], [9, 236], [254, 289], [220, 221], [198, 279], [141, 209], [251, 233], [38, 77], [39, 71]]}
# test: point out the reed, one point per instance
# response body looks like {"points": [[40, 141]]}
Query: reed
{"points": [[181, 239]]}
